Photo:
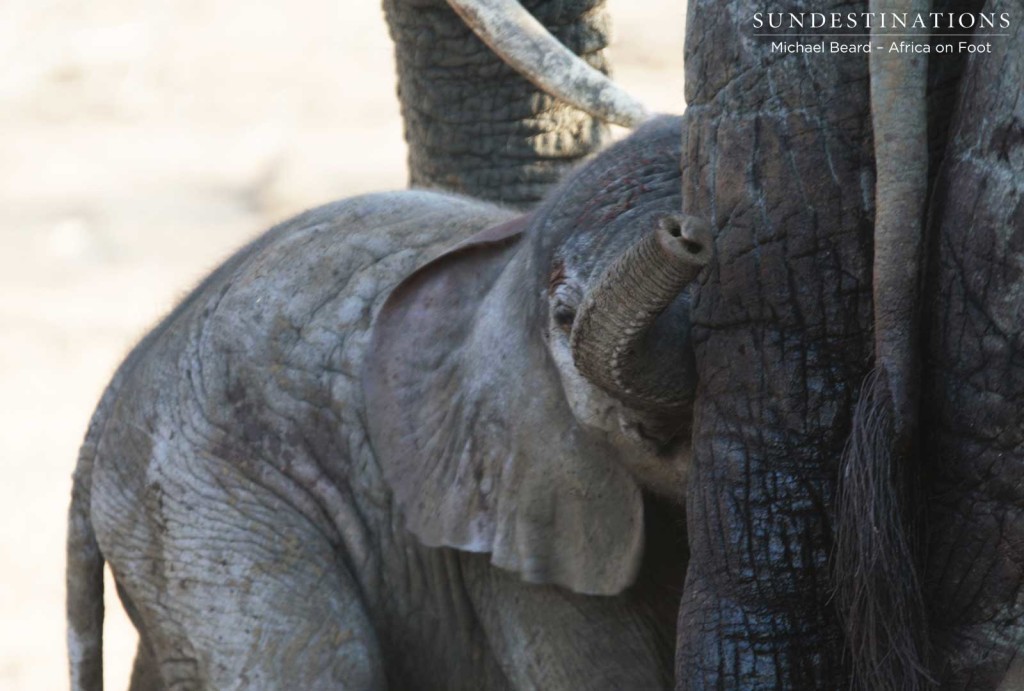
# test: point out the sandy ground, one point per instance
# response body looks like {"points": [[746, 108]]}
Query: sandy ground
{"points": [[140, 142]]}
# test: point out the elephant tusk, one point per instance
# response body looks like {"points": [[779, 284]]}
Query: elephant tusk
{"points": [[523, 42]]}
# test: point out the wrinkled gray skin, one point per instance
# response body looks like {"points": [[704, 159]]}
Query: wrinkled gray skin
{"points": [[270, 472], [475, 126]]}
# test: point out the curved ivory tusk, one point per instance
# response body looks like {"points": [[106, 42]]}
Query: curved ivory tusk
{"points": [[523, 42]]}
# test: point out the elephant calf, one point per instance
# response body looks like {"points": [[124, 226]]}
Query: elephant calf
{"points": [[408, 440]]}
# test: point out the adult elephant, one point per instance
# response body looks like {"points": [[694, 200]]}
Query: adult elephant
{"points": [[834, 540]]}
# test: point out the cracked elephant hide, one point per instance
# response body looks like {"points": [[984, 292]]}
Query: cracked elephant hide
{"points": [[973, 450], [777, 155], [787, 325]]}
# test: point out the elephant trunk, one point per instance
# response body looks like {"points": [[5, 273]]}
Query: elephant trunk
{"points": [[473, 123], [609, 343]]}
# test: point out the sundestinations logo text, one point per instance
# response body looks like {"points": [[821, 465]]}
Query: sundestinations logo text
{"points": [[936, 21], [892, 32]]}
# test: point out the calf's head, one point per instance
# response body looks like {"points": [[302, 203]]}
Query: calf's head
{"points": [[523, 387]]}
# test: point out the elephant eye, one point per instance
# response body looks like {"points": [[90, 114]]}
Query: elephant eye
{"points": [[564, 316], [564, 295]]}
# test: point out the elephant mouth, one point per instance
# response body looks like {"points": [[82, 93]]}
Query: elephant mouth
{"points": [[661, 461], [667, 440]]}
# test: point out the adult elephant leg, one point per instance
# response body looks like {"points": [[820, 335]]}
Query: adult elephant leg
{"points": [[777, 154], [473, 124], [974, 448]]}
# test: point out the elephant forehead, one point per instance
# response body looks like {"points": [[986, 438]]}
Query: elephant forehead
{"points": [[594, 246], [635, 173]]}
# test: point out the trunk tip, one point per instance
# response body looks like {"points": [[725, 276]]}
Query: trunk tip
{"points": [[685, 238]]}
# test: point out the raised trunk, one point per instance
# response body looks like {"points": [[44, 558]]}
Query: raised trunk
{"points": [[974, 446], [609, 341], [473, 125], [777, 155]]}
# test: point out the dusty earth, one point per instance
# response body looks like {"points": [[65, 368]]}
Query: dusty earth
{"points": [[140, 142]]}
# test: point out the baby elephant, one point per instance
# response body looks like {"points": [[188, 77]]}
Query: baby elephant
{"points": [[408, 440]]}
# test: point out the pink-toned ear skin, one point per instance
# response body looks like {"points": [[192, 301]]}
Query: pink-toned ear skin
{"points": [[470, 425]]}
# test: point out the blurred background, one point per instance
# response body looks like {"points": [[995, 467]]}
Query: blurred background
{"points": [[140, 143]]}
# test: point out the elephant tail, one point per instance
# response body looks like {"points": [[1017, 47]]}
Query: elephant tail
{"points": [[875, 564], [874, 561], [84, 579]]}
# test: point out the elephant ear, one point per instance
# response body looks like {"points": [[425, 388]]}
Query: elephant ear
{"points": [[472, 431]]}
